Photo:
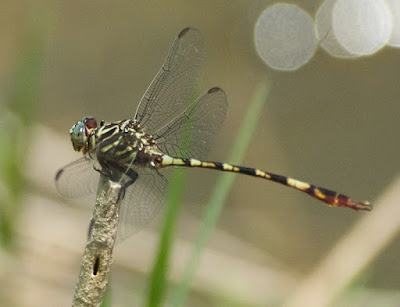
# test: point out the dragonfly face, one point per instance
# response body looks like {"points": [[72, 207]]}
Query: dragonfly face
{"points": [[80, 133]]}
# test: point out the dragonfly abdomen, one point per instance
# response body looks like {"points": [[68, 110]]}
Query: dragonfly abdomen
{"points": [[329, 197]]}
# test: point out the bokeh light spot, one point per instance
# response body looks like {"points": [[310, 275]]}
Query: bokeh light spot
{"points": [[285, 37], [362, 26]]}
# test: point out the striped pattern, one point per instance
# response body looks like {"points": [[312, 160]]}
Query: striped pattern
{"points": [[329, 197], [117, 141]]}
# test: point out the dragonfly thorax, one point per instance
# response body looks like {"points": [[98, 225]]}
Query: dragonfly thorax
{"points": [[123, 141]]}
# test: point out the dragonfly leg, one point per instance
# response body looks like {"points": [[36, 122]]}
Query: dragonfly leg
{"points": [[132, 176], [116, 173]]}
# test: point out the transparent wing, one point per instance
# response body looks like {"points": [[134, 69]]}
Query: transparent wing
{"points": [[191, 134], [78, 178], [142, 201], [173, 86]]}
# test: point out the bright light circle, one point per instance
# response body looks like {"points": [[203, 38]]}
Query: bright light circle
{"points": [[284, 37], [323, 27], [394, 6], [362, 26]]}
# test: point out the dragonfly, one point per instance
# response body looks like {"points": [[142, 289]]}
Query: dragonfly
{"points": [[168, 129]]}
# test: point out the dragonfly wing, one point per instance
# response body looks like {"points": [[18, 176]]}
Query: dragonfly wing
{"points": [[142, 201], [191, 134], [173, 86], [78, 178]]}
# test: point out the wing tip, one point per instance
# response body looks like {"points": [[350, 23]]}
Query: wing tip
{"points": [[59, 173], [186, 31], [215, 89]]}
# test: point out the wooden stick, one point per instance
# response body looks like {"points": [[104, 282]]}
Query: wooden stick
{"points": [[97, 258]]}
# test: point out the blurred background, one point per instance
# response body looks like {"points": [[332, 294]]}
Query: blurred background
{"points": [[333, 122]]}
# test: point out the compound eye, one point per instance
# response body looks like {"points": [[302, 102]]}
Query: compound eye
{"points": [[90, 122], [78, 136]]}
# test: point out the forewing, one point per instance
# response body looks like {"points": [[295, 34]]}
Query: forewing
{"points": [[173, 86], [78, 178], [191, 134], [142, 201]]}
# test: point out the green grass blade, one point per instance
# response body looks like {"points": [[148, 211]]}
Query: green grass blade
{"points": [[158, 276], [17, 116], [106, 301], [221, 192]]}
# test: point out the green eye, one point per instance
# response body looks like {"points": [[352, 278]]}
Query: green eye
{"points": [[78, 135]]}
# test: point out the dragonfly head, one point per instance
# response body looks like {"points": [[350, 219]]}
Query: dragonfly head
{"points": [[80, 133]]}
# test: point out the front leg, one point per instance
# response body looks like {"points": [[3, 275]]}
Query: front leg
{"points": [[118, 173]]}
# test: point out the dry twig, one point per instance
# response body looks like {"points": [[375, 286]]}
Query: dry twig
{"points": [[97, 258]]}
